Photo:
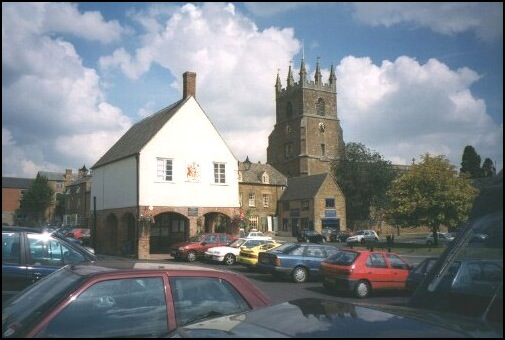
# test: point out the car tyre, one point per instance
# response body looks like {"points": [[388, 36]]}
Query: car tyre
{"points": [[191, 257], [299, 275], [229, 259], [362, 289]]}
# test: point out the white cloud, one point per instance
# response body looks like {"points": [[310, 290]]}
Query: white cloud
{"points": [[227, 51], [411, 108], [486, 19], [53, 108]]}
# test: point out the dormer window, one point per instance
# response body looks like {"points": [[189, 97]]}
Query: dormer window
{"points": [[265, 179]]}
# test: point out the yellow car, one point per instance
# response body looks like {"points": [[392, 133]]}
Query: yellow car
{"points": [[249, 256]]}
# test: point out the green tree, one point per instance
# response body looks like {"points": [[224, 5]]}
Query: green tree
{"points": [[470, 163], [488, 168], [36, 200], [364, 177], [431, 193]]}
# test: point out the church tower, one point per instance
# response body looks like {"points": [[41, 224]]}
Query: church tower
{"points": [[307, 136]]}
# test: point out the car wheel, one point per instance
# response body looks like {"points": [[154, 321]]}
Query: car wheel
{"points": [[191, 257], [229, 259], [299, 274], [362, 289]]}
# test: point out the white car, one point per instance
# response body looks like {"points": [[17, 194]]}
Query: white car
{"points": [[228, 254], [257, 234], [362, 236], [443, 238]]}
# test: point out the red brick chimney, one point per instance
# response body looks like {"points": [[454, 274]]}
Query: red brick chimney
{"points": [[188, 84]]}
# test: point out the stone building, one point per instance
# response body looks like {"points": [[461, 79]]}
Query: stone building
{"points": [[13, 189], [78, 209]]}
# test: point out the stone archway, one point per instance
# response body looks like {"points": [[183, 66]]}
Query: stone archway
{"points": [[169, 228], [111, 235], [217, 222]]}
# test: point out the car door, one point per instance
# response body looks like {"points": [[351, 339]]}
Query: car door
{"points": [[14, 271], [377, 271], [313, 257], [399, 271]]}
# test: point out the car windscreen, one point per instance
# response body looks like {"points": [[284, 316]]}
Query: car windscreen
{"points": [[343, 258], [25, 307]]}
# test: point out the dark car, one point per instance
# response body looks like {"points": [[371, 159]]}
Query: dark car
{"points": [[339, 236], [461, 296], [126, 299], [197, 245], [29, 254], [298, 261], [419, 272], [311, 236], [311, 318]]}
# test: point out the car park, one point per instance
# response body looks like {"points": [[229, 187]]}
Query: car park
{"points": [[249, 256], [197, 245], [443, 238], [363, 236], [29, 254], [452, 300], [228, 254], [126, 299], [311, 236], [298, 261], [363, 271]]}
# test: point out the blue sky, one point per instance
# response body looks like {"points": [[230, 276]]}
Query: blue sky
{"points": [[412, 78]]}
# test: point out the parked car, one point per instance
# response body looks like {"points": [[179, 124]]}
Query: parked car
{"points": [[443, 238], [419, 272], [29, 254], [299, 261], [126, 299], [311, 236], [197, 245], [228, 254], [257, 234], [249, 256], [363, 236], [363, 271], [445, 304], [340, 236]]}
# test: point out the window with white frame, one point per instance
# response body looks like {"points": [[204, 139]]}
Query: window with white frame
{"points": [[265, 179], [252, 199], [219, 173], [266, 200], [164, 170], [253, 221]]}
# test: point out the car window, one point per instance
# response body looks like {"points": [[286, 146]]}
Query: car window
{"points": [[223, 238], [46, 250], [396, 262], [200, 297], [211, 239], [376, 261], [10, 247], [330, 251], [131, 307], [314, 251]]}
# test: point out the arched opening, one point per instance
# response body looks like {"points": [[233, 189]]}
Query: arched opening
{"points": [[111, 235], [167, 229], [218, 223]]}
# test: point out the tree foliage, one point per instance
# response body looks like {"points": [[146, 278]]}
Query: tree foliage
{"points": [[488, 168], [36, 200], [431, 193], [470, 163], [364, 177]]}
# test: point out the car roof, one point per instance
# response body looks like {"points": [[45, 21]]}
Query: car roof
{"points": [[25, 229]]}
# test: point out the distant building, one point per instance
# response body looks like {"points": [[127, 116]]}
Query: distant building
{"points": [[78, 210], [58, 182], [13, 189]]}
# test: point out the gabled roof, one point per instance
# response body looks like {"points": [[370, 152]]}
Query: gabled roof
{"points": [[303, 187], [132, 142], [255, 172], [16, 183]]}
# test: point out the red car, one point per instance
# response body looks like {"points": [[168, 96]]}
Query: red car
{"points": [[361, 271], [126, 299], [197, 245]]}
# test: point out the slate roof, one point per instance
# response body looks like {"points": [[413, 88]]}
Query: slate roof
{"points": [[255, 172], [16, 182], [303, 187], [132, 142]]}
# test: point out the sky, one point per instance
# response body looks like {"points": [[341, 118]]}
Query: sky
{"points": [[412, 78]]}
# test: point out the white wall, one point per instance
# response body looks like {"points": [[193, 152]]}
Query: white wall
{"points": [[188, 137], [115, 185]]}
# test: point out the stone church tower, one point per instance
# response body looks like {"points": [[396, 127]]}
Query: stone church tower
{"points": [[307, 136]]}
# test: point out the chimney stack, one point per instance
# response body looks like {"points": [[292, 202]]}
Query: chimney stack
{"points": [[189, 84]]}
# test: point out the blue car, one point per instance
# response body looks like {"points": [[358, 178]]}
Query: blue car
{"points": [[29, 254], [298, 261]]}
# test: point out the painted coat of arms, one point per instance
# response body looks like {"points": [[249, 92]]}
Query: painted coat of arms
{"points": [[193, 172]]}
